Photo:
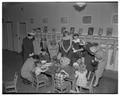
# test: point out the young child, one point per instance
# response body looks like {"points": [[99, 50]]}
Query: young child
{"points": [[80, 75], [77, 47]]}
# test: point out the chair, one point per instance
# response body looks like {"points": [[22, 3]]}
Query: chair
{"points": [[60, 85], [39, 81], [90, 79], [10, 86]]}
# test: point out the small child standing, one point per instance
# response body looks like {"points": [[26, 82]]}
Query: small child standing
{"points": [[80, 75]]}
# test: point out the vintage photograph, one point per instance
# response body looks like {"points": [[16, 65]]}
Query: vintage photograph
{"points": [[60, 47]]}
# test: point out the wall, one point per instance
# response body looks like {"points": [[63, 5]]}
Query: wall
{"points": [[101, 15]]}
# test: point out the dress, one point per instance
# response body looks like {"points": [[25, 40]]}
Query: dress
{"points": [[77, 49], [81, 78], [53, 50], [66, 48], [27, 47], [27, 68]]}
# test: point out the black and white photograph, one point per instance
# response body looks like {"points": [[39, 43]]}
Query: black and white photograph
{"points": [[60, 47]]}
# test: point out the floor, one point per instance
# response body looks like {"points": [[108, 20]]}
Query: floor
{"points": [[12, 62]]}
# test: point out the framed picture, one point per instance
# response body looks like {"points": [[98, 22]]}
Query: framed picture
{"points": [[80, 31], [45, 20], [31, 20], [72, 30], [100, 31], [90, 30], [64, 20], [109, 31], [45, 29], [115, 18], [86, 19]]}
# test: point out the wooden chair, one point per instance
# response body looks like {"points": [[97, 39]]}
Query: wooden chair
{"points": [[10, 86], [60, 86], [90, 79], [39, 81]]}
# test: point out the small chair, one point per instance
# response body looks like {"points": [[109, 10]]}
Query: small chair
{"points": [[10, 86], [90, 79], [60, 85], [39, 81]]}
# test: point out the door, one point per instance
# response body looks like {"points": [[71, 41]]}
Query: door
{"points": [[4, 36], [8, 36]]}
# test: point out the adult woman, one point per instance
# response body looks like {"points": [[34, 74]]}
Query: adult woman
{"points": [[66, 46], [27, 46]]}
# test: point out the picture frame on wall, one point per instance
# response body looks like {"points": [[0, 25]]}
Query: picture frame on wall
{"points": [[80, 32], [45, 20], [31, 20], [109, 31], [45, 29], [64, 20], [87, 19], [100, 31], [115, 19], [90, 30], [72, 30]]}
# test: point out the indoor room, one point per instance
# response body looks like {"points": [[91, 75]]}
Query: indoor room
{"points": [[60, 47]]}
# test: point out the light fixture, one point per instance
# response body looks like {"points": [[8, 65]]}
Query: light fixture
{"points": [[79, 6]]}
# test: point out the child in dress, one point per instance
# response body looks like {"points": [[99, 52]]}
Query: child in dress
{"points": [[77, 47], [80, 75]]}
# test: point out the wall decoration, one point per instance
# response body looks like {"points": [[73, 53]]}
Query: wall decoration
{"points": [[31, 20], [90, 30], [64, 20], [115, 18], [80, 31], [109, 31], [72, 30], [100, 31], [45, 20], [45, 29], [86, 19]]}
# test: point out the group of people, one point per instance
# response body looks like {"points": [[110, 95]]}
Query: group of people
{"points": [[85, 57]]}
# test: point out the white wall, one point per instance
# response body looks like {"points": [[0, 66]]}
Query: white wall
{"points": [[101, 15]]}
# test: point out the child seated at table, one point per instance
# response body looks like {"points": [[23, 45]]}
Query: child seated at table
{"points": [[80, 75]]}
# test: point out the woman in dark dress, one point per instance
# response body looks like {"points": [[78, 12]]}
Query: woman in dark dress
{"points": [[27, 46], [65, 46]]}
